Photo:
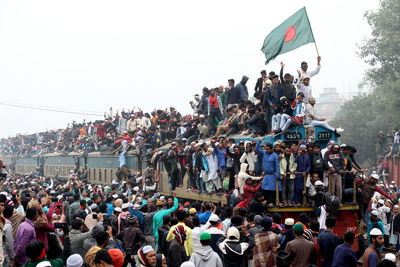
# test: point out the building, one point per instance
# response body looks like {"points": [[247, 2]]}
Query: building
{"points": [[329, 102]]}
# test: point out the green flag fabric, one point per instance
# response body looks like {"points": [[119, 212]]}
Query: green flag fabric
{"points": [[291, 34]]}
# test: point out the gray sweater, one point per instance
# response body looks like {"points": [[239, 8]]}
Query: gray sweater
{"points": [[205, 256]]}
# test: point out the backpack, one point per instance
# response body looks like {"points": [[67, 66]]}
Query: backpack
{"points": [[318, 164], [332, 203]]}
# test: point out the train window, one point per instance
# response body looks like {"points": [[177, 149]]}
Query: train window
{"points": [[111, 174], [99, 175], [105, 175]]}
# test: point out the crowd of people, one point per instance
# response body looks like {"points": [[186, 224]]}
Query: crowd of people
{"points": [[50, 222], [388, 149], [46, 221]]}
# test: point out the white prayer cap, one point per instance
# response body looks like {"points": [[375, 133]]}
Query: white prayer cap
{"points": [[44, 264], [289, 221], [390, 257], [75, 260], [380, 201], [319, 183], [375, 232], [147, 249], [118, 209], [374, 212], [375, 176]]}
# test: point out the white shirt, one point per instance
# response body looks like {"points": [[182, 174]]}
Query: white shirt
{"points": [[310, 73], [196, 235]]}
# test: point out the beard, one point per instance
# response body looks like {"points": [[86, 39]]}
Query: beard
{"points": [[377, 244]]}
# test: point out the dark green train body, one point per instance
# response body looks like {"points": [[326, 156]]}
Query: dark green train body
{"points": [[102, 167]]}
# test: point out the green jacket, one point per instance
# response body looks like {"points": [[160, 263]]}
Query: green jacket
{"points": [[283, 166], [158, 218], [224, 99], [54, 263]]}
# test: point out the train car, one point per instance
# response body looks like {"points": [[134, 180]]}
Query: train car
{"points": [[26, 164], [8, 161], [62, 164], [102, 167]]}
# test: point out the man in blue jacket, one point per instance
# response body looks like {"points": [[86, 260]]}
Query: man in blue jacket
{"points": [[270, 167]]}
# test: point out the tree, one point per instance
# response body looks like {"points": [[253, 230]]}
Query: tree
{"points": [[364, 116]]}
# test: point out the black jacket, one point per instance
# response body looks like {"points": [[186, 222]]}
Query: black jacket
{"points": [[258, 120], [288, 88], [256, 207], [336, 160], [233, 253], [396, 224], [234, 95], [176, 254], [258, 87]]}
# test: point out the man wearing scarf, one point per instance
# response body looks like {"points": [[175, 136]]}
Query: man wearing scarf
{"points": [[146, 257], [176, 252]]}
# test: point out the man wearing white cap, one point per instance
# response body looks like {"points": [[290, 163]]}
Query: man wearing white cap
{"points": [[371, 255], [382, 215], [374, 223], [368, 188], [91, 220], [215, 232]]}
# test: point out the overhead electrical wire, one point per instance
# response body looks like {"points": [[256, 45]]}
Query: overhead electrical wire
{"points": [[60, 110]]}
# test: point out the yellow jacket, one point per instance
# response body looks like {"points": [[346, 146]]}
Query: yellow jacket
{"points": [[189, 239]]}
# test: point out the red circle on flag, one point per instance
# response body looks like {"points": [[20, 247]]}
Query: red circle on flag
{"points": [[290, 34]]}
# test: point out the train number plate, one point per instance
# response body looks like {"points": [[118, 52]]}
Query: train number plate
{"points": [[324, 135], [292, 136]]}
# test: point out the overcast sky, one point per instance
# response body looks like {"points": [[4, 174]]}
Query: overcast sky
{"points": [[93, 54]]}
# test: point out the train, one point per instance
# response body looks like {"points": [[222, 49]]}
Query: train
{"points": [[101, 167]]}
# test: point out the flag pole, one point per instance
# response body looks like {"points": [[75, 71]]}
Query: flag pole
{"points": [[315, 43], [316, 48]]}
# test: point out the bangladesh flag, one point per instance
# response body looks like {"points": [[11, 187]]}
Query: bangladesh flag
{"points": [[291, 34]]}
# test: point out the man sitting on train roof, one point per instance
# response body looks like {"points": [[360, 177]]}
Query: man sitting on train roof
{"points": [[311, 117], [298, 115]]}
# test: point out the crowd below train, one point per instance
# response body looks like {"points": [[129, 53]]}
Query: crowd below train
{"points": [[50, 222]]}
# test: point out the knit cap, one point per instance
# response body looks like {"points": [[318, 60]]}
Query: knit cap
{"points": [[205, 236], [117, 257], [298, 228]]}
